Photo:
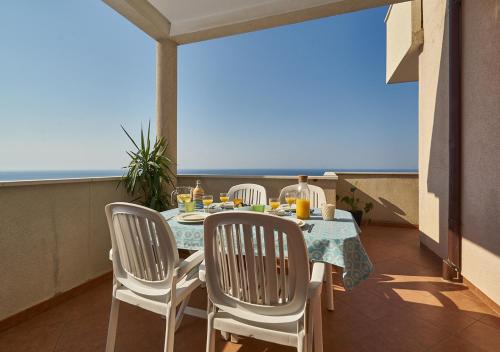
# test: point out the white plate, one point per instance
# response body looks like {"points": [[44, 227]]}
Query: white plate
{"points": [[191, 218], [277, 212], [286, 207], [299, 222]]}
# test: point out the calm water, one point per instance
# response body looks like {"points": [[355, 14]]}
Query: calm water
{"points": [[57, 174]]}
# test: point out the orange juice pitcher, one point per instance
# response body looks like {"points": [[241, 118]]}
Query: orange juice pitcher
{"points": [[302, 202]]}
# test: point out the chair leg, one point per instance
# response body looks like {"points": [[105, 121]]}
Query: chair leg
{"points": [[170, 328], [210, 333], [180, 312], [310, 328], [329, 286], [318, 326], [113, 324], [301, 343]]}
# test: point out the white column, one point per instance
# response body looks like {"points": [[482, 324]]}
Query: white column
{"points": [[166, 96]]}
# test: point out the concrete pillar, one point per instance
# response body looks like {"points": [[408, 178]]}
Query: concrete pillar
{"points": [[166, 96]]}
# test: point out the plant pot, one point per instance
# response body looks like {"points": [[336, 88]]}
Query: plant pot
{"points": [[357, 215]]}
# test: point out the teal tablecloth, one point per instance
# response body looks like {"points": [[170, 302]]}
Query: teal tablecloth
{"points": [[336, 242]]}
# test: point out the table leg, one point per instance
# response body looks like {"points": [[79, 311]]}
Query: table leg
{"points": [[329, 286]]}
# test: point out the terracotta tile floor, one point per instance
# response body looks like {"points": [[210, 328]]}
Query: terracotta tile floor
{"points": [[403, 306]]}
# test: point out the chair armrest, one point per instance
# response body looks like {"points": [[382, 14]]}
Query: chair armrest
{"points": [[316, 282], [190, 263]]}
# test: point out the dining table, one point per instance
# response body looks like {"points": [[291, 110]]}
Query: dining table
{"points": [[335, 242]]}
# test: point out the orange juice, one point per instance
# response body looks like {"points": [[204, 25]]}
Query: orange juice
{"points": [[274, 205], [237, 201], [224, 199], [303, 209], [290, 200], [207, 202]]}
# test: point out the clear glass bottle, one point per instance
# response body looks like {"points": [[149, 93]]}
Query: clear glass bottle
{"points": [[198, 194], [302, 203]]}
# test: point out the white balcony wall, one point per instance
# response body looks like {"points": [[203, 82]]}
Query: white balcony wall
{"points": [[53, 237]]}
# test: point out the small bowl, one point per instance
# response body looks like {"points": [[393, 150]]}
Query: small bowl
{"points": [[259, 208]]}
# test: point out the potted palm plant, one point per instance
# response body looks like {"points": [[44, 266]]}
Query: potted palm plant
{"points": [[149, 172], [353, 203]]}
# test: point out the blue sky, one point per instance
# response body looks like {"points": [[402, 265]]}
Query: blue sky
{"points": [[310, 95]]}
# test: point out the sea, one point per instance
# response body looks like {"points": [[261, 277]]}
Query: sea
{"points": [[62, 174]]}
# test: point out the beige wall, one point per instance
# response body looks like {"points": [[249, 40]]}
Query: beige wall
{"points": [[433, 128], [53, 237], [393, 195], [481, 145]]}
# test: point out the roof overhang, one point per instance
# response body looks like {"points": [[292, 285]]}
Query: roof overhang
{"points": [[187, 21], [405, 37]]}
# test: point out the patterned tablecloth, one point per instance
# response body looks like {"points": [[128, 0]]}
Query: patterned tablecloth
{"points": [[336, 242]]}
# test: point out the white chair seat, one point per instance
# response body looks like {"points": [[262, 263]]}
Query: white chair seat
{"points": [[158, 304], [283, 334]]}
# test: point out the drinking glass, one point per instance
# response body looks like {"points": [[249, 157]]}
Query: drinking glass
{"points": [[189, 206], [274, 203], [290, 198], [182, 195], [259, 208], [237, 202], [223, 198], [207, 200]]}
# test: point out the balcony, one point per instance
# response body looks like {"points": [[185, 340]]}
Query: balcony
{"points": [[404, 305], [54, 240]]}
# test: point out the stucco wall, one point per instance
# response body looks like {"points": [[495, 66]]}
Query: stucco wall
{"points": [[433, 128], [394, 196], [481, 145], [53, 237]]}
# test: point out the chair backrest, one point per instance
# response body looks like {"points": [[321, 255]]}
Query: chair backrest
{"points": [[255, 264], [318, 197], [249, 192], [143, 248]]}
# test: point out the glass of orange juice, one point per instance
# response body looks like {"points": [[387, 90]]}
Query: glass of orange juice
{"points": [[223, 198], [237, 201], [207, 200], [290, 198], [274, 203]]}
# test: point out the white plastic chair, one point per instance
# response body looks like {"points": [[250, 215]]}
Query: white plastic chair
{"points": [[249, 192], [146, 267], [318, 197], [257, 276]]}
